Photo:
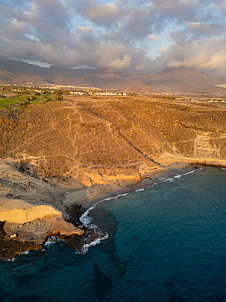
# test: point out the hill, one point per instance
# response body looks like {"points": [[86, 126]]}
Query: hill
{"points": [[183, 80], [63, 153], [180, 80], [97, 140]]}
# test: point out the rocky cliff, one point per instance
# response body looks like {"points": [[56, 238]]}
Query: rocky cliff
{"points": [[98, 141], [27, 217], [53, 148]]}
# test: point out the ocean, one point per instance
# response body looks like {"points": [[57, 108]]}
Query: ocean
{"points": [[165, 243]]}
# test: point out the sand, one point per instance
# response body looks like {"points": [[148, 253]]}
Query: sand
{"points": [[94, 194]]}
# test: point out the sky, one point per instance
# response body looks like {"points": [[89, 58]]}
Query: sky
{"points": [[133, 36]]}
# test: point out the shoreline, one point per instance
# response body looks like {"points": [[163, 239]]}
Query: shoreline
{"points": [[158, 177], [70, 156], [93, 195], [76, 205], [77, 211]]}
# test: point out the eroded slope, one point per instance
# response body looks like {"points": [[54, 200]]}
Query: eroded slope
{"points": [[103, 140]]}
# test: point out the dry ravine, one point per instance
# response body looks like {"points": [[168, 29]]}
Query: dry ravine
{"points": [[59, 154]]}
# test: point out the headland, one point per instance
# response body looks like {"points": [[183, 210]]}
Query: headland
{"points": [[61, 157]]}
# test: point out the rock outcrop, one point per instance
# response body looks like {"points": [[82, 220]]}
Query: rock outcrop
{"points": [[26, 225], [20, 211], [49, 149], [101, 140]]}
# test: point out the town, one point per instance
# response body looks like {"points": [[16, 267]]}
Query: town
{"points": [[12, 96]]}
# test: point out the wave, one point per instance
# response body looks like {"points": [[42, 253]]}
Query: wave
{"points": [[51, 240], [114, 197], [86, 246], [178, 176], [86, 220], [15, 258], [139, 190], [25, 253], [10, 260]]}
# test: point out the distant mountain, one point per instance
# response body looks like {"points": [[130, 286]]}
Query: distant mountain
{"points": [[183, 80], [171, 80]]}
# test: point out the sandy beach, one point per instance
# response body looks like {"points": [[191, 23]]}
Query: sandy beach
{"points": [[38, 194], [94, 194]]}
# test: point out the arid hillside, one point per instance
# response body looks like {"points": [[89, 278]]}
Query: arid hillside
{"points": [[174, 80], [102, 140]]}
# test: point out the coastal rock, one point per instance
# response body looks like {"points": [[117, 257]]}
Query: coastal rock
{"points": [[26, 225], [91, 146], [19, 211], [20, 217], [17, 238], [38, 230]]}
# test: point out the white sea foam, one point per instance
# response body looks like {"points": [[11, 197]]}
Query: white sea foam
{"points": [[51, 240], [86, 219], [86, 247], [178, 176], [168, 179], [14, 259], [25, 253], [123, 194], [114, 197], [10, 260], [190, 172], [139, 190]]}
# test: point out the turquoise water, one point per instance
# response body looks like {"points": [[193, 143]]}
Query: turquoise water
{"points": [[166, 243]]}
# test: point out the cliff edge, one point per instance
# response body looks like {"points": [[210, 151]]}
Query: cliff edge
{"points": [[51, 149], [91, 140]]}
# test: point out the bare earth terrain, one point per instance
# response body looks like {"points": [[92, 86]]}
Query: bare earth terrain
{"points": [[173, 80], [74, 151]]}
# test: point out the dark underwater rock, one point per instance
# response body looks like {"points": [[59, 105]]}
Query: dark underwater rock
{"points": [[102, 283]]}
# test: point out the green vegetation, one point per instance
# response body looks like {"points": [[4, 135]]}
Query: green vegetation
{"points": [[14, 96], [58, 95]]}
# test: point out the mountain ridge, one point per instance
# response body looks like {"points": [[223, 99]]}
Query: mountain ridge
{"points": [[170, 80]]}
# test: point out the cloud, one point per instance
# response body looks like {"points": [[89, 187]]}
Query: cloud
{"points": [[100, 14], [153, 37], [206, 54], [117, 34], [122, 63], [205, 29]]}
